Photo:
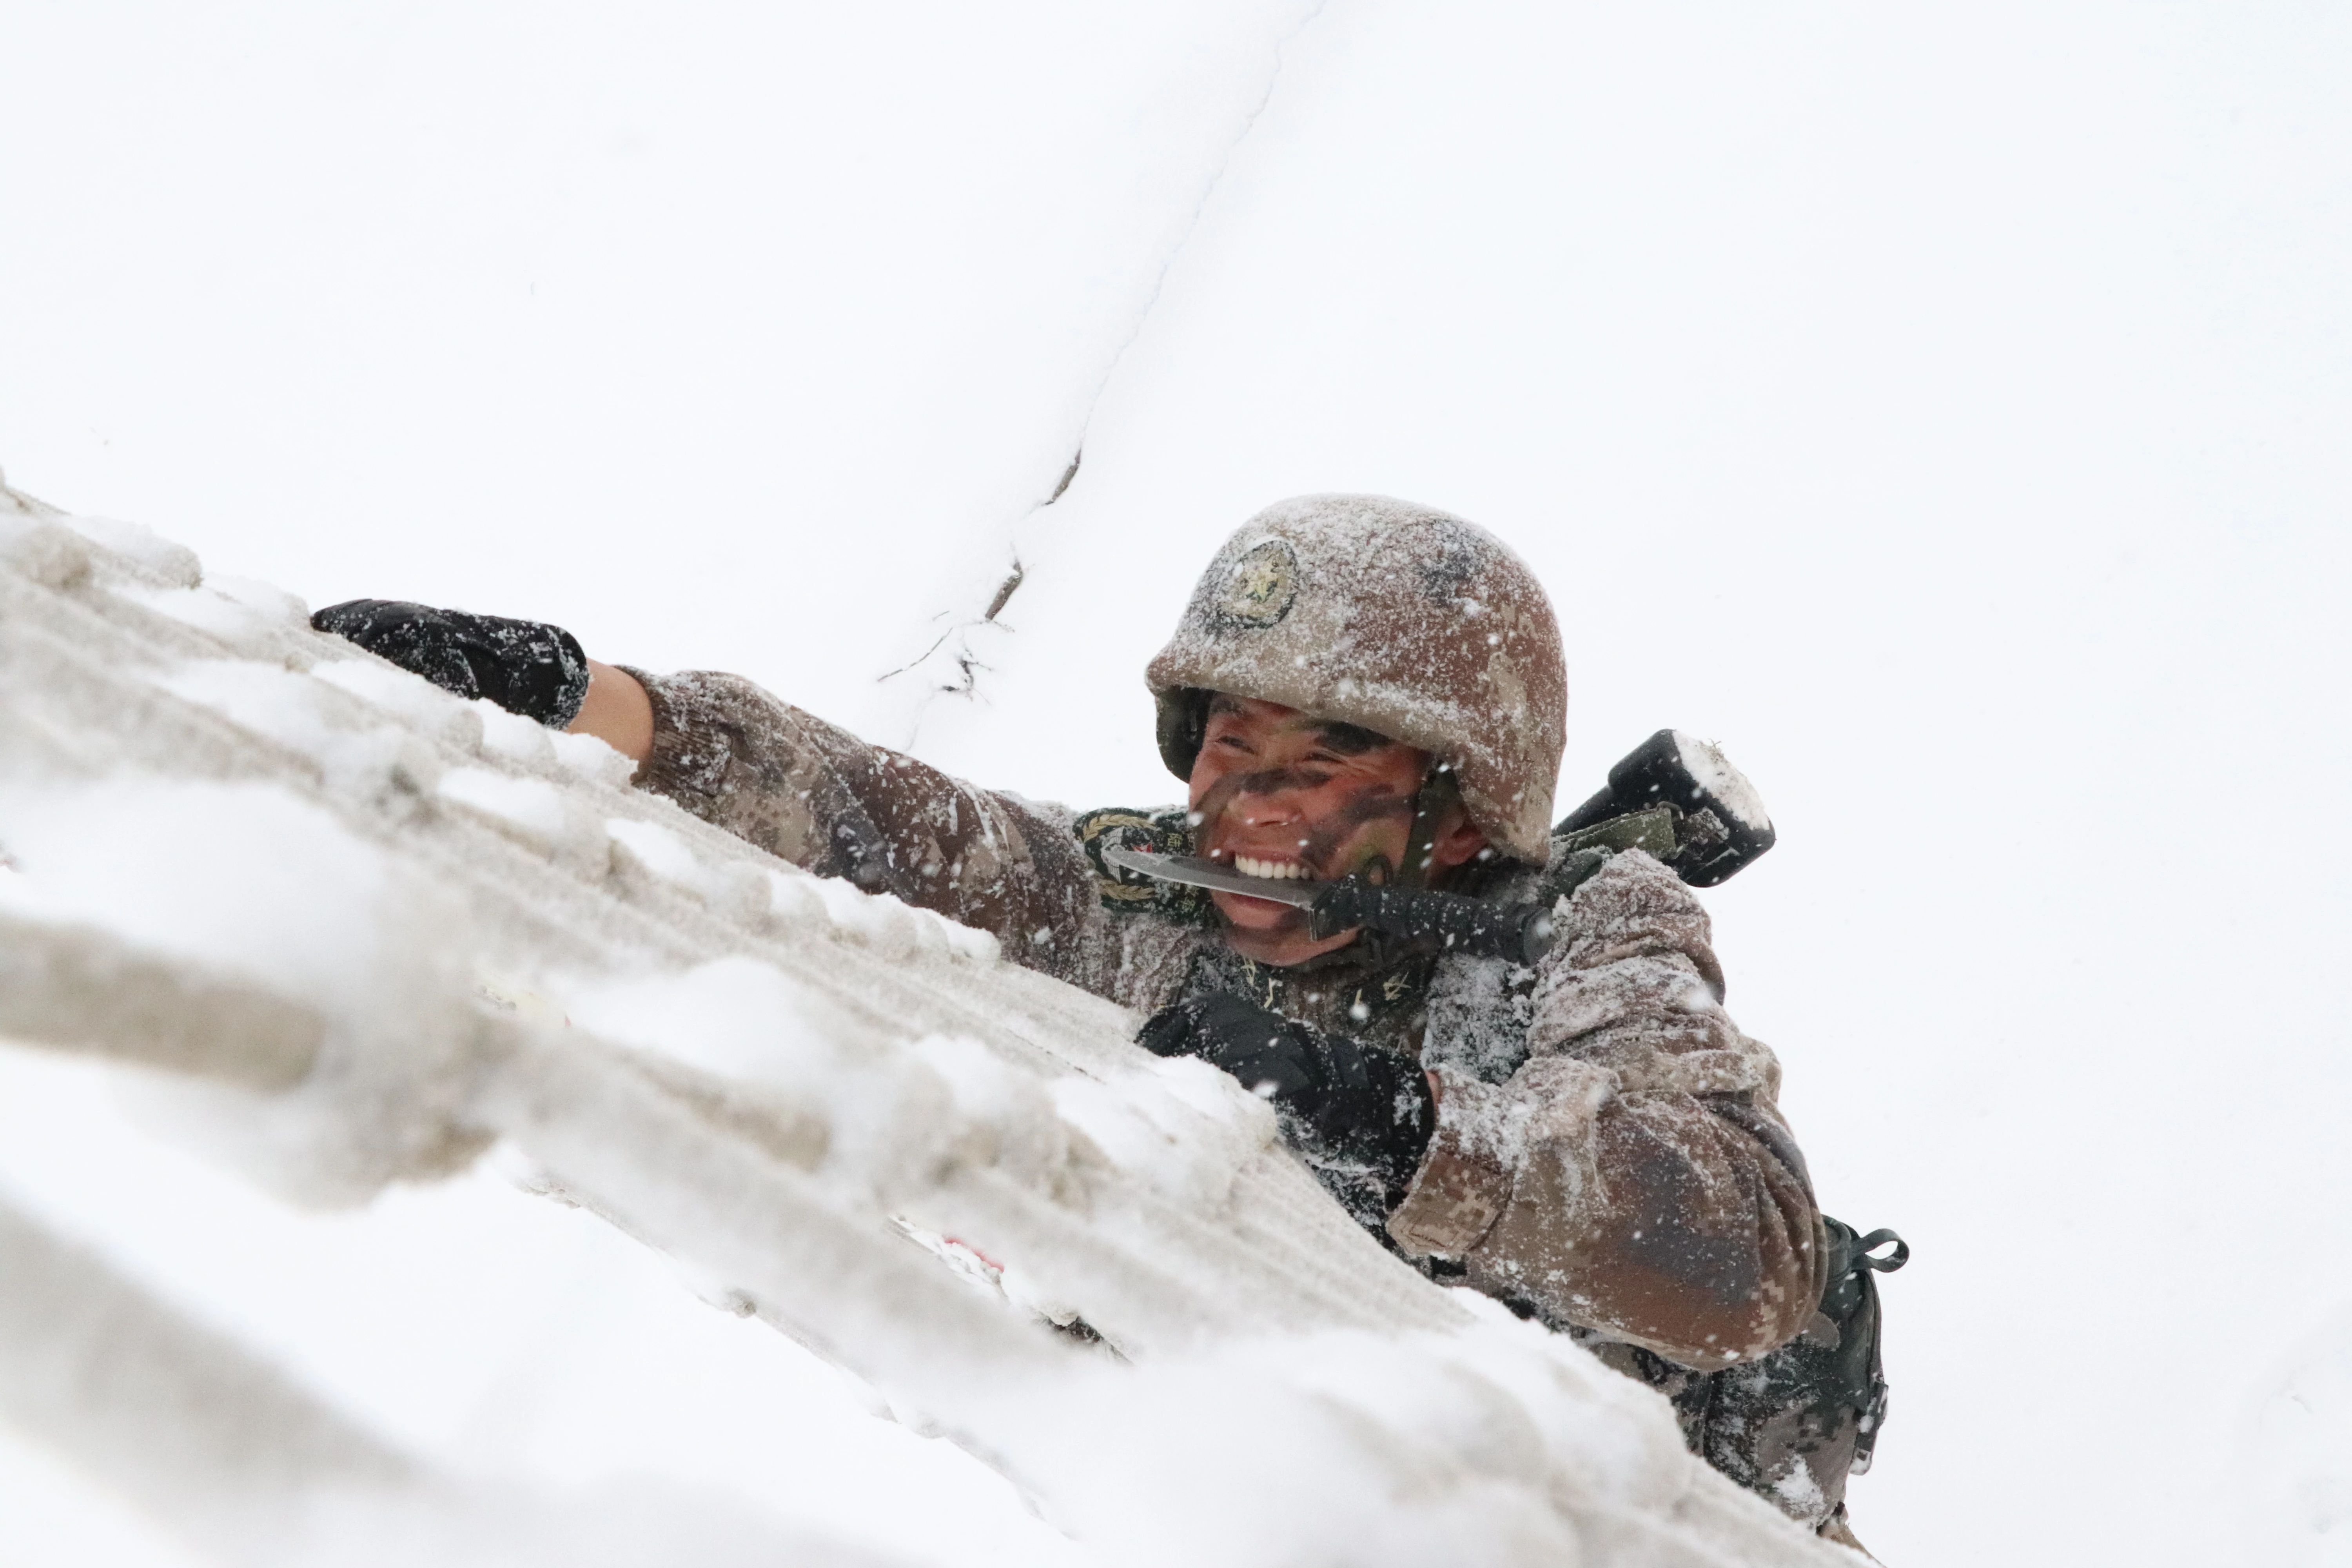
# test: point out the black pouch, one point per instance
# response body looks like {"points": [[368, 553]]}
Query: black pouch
{"points": [[1851, 1304]]}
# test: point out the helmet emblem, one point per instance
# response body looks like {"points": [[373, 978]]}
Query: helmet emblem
{"points": [[1264, 583]]}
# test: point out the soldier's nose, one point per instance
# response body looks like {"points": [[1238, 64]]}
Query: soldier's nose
{"points": [[1262, 810]]}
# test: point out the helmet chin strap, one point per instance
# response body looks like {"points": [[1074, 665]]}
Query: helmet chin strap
{"points": [[1440, 790]]}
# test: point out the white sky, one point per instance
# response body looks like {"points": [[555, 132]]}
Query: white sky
{"points": [[1943, 406]]}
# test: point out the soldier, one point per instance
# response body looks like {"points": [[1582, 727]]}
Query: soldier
{"points": [[1357, 685]]}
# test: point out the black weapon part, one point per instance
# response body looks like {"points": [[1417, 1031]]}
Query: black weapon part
{"points": [[1447, 922], [1720, 823]]}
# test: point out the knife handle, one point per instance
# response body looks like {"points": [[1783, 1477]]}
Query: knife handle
{"points": [[1449, 922]]}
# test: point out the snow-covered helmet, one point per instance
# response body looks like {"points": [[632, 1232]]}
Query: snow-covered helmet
{"points": [[1399, 618]]}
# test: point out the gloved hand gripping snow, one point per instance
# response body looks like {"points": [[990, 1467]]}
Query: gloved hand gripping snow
{"points": [[1341, 1101], [525, 667]]}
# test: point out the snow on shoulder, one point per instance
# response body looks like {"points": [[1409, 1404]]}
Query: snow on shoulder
{"points": [[342, 932]]}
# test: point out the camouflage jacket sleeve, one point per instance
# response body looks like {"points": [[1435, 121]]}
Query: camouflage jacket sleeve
{"points": [[818, 797], [1634, 1176]]}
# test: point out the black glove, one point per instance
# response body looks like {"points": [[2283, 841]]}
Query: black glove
{"points": [[1345, 1101], [524, 667]]}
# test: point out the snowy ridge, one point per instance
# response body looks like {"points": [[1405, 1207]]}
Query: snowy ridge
{"points": [[361, 933]]}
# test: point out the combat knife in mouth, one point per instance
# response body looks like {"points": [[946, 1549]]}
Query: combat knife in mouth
{"points": [[1445, 921], [1675, 795]]}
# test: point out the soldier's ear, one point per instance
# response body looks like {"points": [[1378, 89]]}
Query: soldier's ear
{"points": [[1457, 842]]}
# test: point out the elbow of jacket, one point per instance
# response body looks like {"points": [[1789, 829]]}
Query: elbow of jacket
{"points": [[1732, 1338], [1776, 1314], [1776, 1322], [1730, 1332]]}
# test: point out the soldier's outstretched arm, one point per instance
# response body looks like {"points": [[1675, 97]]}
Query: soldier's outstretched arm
{"points": [[814, 793], [737, 757], [1634, 1176]]}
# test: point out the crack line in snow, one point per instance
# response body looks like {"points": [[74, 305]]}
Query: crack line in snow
{"points": [[967, 663], [1004, 592], [1191, 223]]}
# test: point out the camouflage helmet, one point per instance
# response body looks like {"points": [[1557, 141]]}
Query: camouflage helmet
{"points": [[1395, 617]]}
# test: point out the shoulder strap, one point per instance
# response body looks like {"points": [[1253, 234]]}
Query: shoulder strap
{"points": [[1167, 831]]}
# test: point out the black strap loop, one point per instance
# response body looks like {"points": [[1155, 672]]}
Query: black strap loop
{"points": [[1865, 1246]]}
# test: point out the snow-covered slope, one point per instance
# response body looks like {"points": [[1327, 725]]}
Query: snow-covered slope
{"points": [[342, 930]]}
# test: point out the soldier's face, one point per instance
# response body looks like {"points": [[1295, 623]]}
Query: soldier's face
{"points": [[1280, 794]]}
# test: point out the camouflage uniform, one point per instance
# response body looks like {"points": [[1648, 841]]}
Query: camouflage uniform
{"points": [[1608, 1156]]}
